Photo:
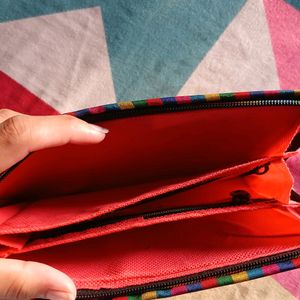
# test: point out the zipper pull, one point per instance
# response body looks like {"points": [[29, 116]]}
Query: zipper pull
{"points": [[240, 197], [260, 170]]}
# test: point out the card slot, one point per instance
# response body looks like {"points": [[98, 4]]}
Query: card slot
{"points": [[82, 207], [78, 208], [271, 180], [169, 250], [211, 198], [112, 224]]}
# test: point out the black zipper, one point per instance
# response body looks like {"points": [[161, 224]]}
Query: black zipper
{"points": [[238, 198], [174, 107], [172, 211], [189, 279]]}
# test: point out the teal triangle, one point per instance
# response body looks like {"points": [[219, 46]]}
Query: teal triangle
{"points": [[154, 46], [295, 3]]}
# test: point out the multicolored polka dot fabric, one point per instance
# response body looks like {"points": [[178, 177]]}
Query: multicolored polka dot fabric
{"points": [[59, 56], [217, 281], [180, 100]]}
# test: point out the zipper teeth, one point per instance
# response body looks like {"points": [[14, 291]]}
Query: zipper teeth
{"points": [[179, 210], [100, 222], [95, 223], [167, 107], [204, 207], [236, 200], [190, 279]]}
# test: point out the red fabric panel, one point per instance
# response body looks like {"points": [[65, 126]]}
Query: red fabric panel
{"points": [[133, 223], [76, 208], [172, 249], [16, 97], [142, 154], [144, 149]]}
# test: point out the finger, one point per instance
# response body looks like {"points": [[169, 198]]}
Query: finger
{"points": [[30, 280], [22, 134], [7, 113]]}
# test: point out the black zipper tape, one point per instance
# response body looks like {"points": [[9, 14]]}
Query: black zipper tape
{"points": [[174, 107], [189, 279], [239, 197], [100, 222]]}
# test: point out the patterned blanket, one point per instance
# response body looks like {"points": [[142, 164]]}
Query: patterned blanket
{"points": [[64, 55]]}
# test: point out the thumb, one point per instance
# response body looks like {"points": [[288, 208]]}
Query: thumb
{"points": [[22, 280]]}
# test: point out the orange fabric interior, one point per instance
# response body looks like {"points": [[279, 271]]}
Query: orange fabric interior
{"points": [[169, 250], [218, 191], [70, 209], [148, 148], [276, 184], [140, 155], [44, 241]]}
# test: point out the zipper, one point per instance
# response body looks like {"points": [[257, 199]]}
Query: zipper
{"points": [[238, 198], [173, 107], [189, 279]]}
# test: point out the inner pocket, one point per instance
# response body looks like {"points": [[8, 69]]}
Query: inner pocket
{"points": [[76, 208], [211, 194], [169, 250], [112, 224]]}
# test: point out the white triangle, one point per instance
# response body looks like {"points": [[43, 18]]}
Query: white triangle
{"points": [[62, 58], [242, 59]]}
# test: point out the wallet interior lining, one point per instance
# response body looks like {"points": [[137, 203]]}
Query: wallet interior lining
{"points": [[102, 227], [144, 149], [212, 188], [158, 148], [258, 186], [169, 250]]}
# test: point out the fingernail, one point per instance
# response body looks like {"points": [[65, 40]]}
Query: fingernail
{"points": [[98, 128], [59, 295]]}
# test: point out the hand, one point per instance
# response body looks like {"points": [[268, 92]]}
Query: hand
{"points": [[19, 135]]}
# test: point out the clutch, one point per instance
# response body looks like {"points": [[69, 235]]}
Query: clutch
{"points": [[185, 193]]}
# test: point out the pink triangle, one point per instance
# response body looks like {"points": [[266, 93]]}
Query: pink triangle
{"points": [[284, 25], [16, 97], [290, 281]]}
